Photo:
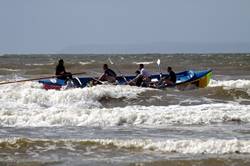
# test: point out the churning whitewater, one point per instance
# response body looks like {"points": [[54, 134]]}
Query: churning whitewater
{"points": [[28, 105], [187, 146], [125, 125]]}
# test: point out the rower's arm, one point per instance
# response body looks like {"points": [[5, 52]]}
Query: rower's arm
{"points": [[101, 77]]}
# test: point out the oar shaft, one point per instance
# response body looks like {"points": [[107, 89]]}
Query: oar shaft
{"points": [[34, 79]]}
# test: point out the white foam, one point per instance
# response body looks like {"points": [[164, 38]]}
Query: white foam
{"points": [[38, 64], [145, 63], [184, 146], [245, 84], [31, 92], [81, 107], [175, 114], [27, 104], [85, 63], [12, 77], [192, 146]]}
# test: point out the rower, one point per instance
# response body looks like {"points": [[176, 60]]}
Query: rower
{"points": [[171, 79], [61, 72], [108, 75], [142, 78], [137, 80], [67, 76], [144, 72]]}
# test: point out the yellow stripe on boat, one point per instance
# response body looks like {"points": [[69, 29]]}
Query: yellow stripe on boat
{"points": [[204, 81]]}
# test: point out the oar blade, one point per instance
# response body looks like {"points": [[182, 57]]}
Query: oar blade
{"points": [[110, 61], [158, 62]]}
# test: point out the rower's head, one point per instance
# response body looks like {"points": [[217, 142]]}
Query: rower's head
{"points": [[105, 67], [169, 68], [60, 62], [141, 66]]}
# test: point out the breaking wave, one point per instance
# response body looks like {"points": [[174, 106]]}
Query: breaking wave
{"points": [[33, 115], [28, 105], [241, 84], [185, 146], [238, 85], [32, 93]]}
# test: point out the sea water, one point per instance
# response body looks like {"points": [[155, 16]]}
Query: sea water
{"points": [[125, 125]]}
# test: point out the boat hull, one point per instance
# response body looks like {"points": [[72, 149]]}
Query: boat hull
{"points": [[199, 79]]}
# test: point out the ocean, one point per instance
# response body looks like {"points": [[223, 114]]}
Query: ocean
{"points": [[125, 125]]}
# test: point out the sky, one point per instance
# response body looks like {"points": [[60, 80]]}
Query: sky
{"points": [[124, 26]]}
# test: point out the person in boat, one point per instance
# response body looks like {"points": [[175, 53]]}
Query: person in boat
{"points": [[170, 80], [136, 81], [108, 75], [61, 72], [142, 78]]}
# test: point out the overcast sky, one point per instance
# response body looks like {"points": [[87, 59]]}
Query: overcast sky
{"points": [[53, 26]]}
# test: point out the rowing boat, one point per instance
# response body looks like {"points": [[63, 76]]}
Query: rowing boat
{"points": [[189, 78]]}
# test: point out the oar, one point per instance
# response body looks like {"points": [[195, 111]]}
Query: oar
{"points": [[118, 70], [159, 67], [95, 79], [40, 78]]}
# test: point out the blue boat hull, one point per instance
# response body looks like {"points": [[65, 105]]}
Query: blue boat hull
{"points": [[199, 79]]}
